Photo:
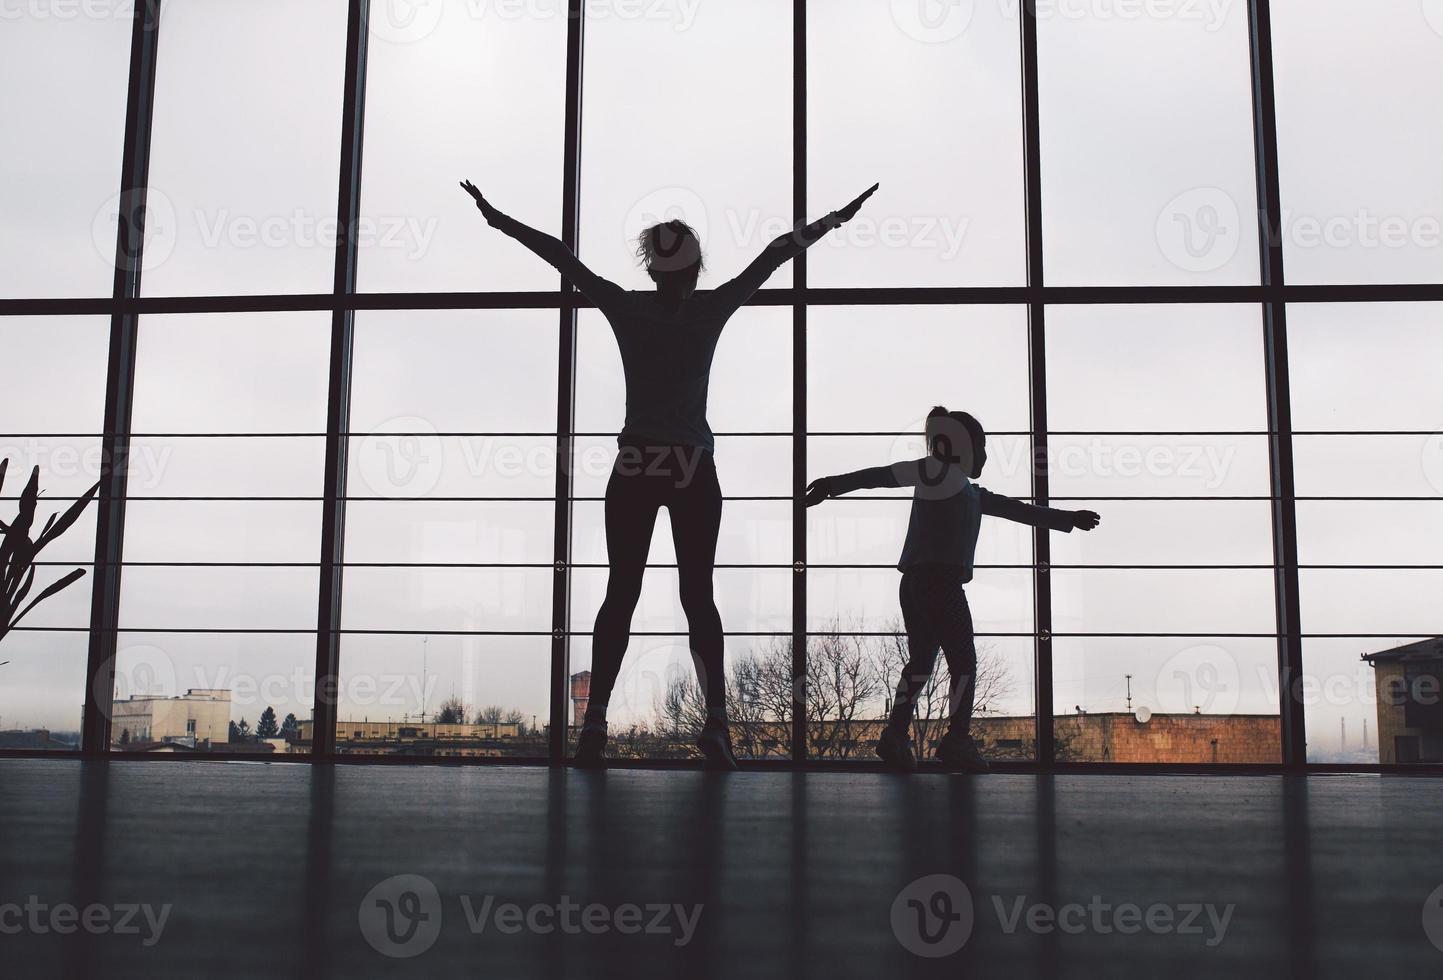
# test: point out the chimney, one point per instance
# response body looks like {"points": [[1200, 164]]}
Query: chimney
{"points": [[580, 696]]}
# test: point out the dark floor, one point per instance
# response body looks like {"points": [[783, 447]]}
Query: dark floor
{"points": [[272, 870]]}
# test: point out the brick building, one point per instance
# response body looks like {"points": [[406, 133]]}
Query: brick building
{"points": [[1409, 684]]}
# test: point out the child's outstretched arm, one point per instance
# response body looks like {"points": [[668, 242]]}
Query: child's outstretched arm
{"points": [[996, 505], [895, 475]]}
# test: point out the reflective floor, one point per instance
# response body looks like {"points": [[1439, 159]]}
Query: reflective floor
{"points": [[246, 870]]}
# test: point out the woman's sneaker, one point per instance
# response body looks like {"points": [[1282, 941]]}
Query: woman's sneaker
{"points": [[715, 743], [959, 753], [895, 749], [590, 748]]}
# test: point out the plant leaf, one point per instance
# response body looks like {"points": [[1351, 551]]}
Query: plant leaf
{"points": [[56, 528], [54, 587]]}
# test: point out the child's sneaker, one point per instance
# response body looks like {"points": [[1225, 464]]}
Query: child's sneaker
{"points": [[715, 743], [590, 748], [959, 753], [895, 749]]}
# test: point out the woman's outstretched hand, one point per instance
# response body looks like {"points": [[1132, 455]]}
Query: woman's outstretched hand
{"points": [[484, 206], [850, 211]]}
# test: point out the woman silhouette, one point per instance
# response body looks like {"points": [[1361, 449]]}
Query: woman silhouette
{"points": [[667, 339]]}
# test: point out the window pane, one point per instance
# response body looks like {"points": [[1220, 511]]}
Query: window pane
{"points": [[44, 688], [52, 380], [228, 400], [1363, 372], [454, 93], [1147, 144], [454, 371], [442, 696], [187, 690], [245, 155], [882, 368], [656, 709], [458, 599], [1358, 169], [1147, 699], [63, 116], [728, 173], [951, 207]]}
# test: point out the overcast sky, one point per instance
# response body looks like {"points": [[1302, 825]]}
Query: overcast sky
{"points": [[1147, 179]]}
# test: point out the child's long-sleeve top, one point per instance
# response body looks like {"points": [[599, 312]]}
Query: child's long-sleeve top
{"points": [[947, 510]]}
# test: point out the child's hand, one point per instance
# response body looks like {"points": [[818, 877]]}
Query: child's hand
{"points": [[1085, 520], [817, 491]]}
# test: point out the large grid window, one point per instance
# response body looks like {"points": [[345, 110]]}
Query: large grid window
{"points": [[353, 444]]}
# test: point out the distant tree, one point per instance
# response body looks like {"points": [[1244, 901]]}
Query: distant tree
{"points": [[290, 728], [242, 732], [235, 735], [515, 717], [453, 712], [267, 727], [492, 714], [125, 736]]}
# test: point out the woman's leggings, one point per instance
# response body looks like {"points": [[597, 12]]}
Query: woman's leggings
{"points": [[644, 479], [935, 614]]}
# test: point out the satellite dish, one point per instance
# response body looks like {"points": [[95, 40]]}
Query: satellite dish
{"points": [[1143, 715]]}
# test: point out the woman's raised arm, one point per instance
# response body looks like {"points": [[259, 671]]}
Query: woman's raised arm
{"points": [[789, 246], [549, 248]]}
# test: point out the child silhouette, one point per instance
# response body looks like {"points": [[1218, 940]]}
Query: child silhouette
{"points": [[936, 562]]}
